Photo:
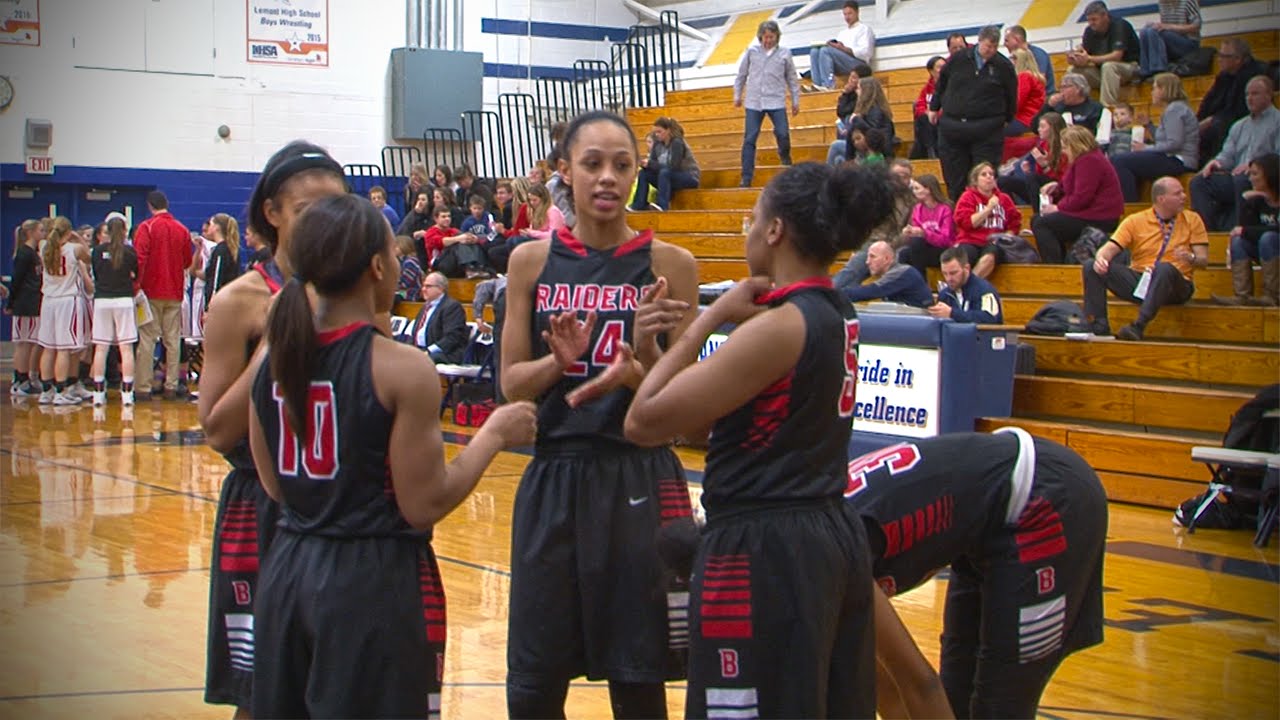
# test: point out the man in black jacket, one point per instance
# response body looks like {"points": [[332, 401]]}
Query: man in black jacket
{"points": [[977, 93], [441, 326], [1225, 103]]}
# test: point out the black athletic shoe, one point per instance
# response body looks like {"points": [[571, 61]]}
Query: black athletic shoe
{"points": [[1218, 516]]}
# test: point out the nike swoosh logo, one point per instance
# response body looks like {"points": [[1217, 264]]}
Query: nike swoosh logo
{"points": [[638, 501]]}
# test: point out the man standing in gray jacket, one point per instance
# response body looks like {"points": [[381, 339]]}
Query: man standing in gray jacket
{"points": [[766, 75]]}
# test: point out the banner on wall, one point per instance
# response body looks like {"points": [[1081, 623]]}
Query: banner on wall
{"points": [[20, 22], [287, 32], [897, 390]]}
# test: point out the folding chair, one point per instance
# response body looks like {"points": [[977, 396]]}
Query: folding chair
{"points": [[476, 366], [1219, 460]]}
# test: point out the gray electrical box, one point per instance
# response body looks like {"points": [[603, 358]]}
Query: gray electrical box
{"points": [[431, 88]]}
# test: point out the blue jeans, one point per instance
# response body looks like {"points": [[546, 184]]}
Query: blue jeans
{"points": [[826, 61], [1160, 47], [667, 180], [1144, 165], [1266, 248], [781, 133]]}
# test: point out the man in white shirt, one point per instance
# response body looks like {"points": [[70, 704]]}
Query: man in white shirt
{"points": [[852, 47]]}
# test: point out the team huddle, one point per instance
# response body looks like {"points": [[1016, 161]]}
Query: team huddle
{"points": [[326, 599]]}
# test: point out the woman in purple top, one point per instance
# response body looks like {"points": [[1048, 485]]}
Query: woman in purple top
{"points": [[931, 229], [1088, 196]]}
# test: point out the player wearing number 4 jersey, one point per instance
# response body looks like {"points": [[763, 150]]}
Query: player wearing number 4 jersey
{"points": [[781, 600], [350, 614], [589, 594], [1022, 524]]}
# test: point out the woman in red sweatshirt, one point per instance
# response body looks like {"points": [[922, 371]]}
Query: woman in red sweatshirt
{"points": [[926, 143], [1088, 196], [1030, 93], [983, 211]]}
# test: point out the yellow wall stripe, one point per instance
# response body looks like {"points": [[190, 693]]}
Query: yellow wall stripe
{"points": [[736, 39], [1047, 13]]}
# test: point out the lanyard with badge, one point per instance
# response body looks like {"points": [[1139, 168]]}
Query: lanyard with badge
{"points": [[1144, 283]]}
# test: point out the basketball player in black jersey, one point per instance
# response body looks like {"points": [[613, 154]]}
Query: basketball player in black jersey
{"points": [[781, 600], [350, 615], [297, 175], [589, 595], [1022, 524]]}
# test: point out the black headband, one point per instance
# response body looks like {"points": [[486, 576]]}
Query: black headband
{"points": [[295, 165]]}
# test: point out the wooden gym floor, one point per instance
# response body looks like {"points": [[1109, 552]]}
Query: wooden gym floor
{"points": [[105, 530]]}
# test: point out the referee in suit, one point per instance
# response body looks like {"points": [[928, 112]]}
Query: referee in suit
{"points": [[977, 93], [441, 326]]}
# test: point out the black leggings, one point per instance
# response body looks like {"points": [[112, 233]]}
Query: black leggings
{"points": [[1058, 231]]}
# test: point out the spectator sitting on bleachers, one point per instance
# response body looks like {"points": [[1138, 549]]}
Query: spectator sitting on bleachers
{"points": [[1177, 146], [955, 43], [410, 287], [562, 197], [1043, 164], [1073, 99], [1015, 38], [845, 106], [479, 222], [931, 228], [1031, 93], [670, 166], [1224, 104], [855, 270], [520, 201], [1257, 237], [966, 297], [454, 253], [983, 211], [415, 225], [892, 280], [441, 197], [1088, 196], [468, 185], [872, 112], [378, 196], [852, 47], [1109, 52], [1166, 244], [440, 328], [1215, 192], [442, 179], [502, 205], [1175, 35], [418, 183], [1121, 130], [926, 133], [544, 217]]}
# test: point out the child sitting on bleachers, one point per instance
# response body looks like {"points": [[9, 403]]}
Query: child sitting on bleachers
{"points": [[480, 223], [454, 253]]}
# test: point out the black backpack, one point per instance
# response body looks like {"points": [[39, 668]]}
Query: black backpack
{"points": [[1197, 62], [1014, 248], [1057, 318]]}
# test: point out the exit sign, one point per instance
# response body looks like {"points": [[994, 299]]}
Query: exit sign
{"points": [[39, 165]]}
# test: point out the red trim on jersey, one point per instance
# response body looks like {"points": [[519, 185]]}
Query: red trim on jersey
{"points": [[644, 238], [571, 242], [819, 281], [273, 283], [332, 336]]}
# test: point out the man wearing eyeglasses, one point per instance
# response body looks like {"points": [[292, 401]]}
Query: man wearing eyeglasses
{"points": [[1225, 102], [441, 326]]}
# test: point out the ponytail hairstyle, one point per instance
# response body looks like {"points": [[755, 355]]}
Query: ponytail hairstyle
{"points": [[24, 233], [826, 209], [115, 241], [297, 157], [338, 238], [230, 233], [58, 232]]}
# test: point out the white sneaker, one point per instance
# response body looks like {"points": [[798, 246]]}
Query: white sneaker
{"points": [[46, 397], [126, 397], [79, 392], [99, 398], [65, 398], [23, 389]]}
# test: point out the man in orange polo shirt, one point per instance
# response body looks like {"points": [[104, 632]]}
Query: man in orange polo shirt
{"points": [[1166, 243]]}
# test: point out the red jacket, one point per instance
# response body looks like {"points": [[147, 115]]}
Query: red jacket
{"points": [[1091, 189], [1005, 219], [1030, 98], [164, 253], [926, 96], [433, 241]]}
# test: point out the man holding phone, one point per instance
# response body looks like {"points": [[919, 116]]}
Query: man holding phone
{"points": [[852, 47]]}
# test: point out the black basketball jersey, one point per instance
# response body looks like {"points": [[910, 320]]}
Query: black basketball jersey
{"points": [[335, 481], [791, 441], [578, 278], [240, 456], [930, 501]]}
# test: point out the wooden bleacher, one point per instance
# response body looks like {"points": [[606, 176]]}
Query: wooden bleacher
{"points": [[1132, 409]]}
